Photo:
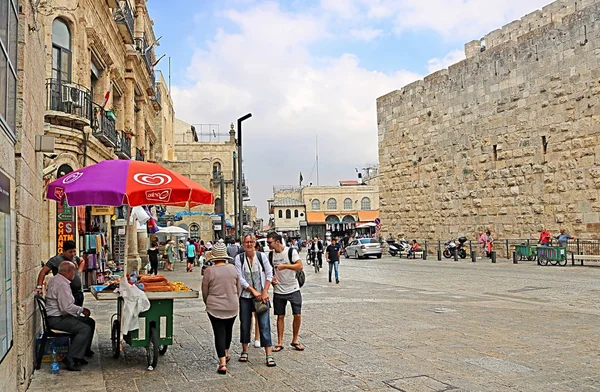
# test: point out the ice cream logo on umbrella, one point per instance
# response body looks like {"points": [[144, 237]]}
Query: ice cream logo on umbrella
{"points": [[71, 178], [157, 179], [59, 193], [160, 195]]}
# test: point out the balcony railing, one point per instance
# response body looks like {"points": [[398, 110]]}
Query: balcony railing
{"points": [[123, 149], [139, 156], [157, 99], [125, 21], [69, 98], [104, 127], [141, 44]]}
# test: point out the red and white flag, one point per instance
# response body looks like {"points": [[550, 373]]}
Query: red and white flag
{"points": [[107, 96]]}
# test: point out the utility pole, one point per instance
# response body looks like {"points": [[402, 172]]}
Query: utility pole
{"points": [[240, 175], [235, 196]]}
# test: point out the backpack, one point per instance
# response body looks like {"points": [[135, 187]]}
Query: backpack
{"points": [[300, 276]]}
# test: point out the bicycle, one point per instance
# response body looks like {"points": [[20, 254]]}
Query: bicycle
{"points": [[316, 263]]}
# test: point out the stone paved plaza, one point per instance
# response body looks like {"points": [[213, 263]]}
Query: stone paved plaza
{"points": [[408, 325]]}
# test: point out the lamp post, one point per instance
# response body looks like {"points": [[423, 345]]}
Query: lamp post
{"points": [[240, 193], [223, 222], [235, 195]]}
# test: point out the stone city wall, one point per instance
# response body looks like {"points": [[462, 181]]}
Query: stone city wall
{"points": [[506, 139]]}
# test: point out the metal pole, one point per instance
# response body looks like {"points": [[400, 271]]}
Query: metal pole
{"points": [[240, 175], [235, 196], [223, 222]]}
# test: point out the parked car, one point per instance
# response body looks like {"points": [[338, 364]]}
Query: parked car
{"points": [[363, 247]]}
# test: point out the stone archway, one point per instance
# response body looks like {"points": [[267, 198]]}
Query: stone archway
{"points": [[348, 219], [330, 219]]}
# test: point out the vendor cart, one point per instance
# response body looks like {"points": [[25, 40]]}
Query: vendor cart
{"points": [[156, 324], [525, 251], [553, 255]]}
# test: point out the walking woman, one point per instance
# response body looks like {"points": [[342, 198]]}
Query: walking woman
{"points": [[220, 292], [153, 258], [489, 243], [170, 250], [191, 255], [255, 275], [181, 249]]}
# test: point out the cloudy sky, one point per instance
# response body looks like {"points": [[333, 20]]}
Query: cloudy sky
{"points": [[308, 69]]}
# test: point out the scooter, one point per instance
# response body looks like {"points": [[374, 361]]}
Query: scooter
{"points": [[451, 247], [397, 248]]}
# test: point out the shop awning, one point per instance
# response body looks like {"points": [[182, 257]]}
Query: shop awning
{"points": [[368, 216], [315, 218]]}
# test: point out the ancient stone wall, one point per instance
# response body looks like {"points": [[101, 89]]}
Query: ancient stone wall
{"points": [[506, 139]]}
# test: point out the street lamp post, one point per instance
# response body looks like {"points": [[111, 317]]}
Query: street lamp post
{"points": [[235, 195], [240, 193], [223, 222]]}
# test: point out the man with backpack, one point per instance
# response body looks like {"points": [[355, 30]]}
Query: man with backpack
{"points": [[287, 280]]}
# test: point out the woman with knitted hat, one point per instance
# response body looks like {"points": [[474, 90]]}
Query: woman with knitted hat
{"points": [[220, 292]]}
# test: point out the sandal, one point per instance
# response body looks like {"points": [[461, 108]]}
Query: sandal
{"points": [[222, 369], [227, 359], [243, 357], [270, 361], [277, 349], [297, 346]]}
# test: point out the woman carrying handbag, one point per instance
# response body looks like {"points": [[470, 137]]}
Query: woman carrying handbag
{"points": [[255, 276]]}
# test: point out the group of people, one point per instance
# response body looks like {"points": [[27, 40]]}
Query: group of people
{"points": [[239, 286], [562, 239]]}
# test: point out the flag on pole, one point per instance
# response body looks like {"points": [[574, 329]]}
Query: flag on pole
{"points": [[107, 96], [301, 178]]}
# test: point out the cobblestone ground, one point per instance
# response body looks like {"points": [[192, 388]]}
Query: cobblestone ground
{"points": [[389, 325]]}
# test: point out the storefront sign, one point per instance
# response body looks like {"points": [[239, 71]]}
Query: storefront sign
{"points": [[65, 225], [6, 332], [216, 227], [103, 210]]}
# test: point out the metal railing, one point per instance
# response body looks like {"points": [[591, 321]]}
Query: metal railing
{"points": [[104, 127], [141, 45], [70, 98], [123, 149], [158, 95], [138, 155], [124, 15]]}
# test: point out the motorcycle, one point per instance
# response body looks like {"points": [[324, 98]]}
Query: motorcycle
{"points": [[397, 248], [452, 247]]}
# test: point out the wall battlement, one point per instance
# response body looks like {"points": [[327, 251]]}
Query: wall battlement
{"points": [[552, 13]]}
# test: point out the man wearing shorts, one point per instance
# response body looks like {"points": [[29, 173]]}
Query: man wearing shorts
{"points": [[285, 288]]}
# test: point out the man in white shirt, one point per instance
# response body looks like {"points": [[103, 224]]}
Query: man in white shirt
{"points": [[64, 315], [285, 288]]}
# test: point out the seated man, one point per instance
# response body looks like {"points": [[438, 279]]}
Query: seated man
{"points": [[64, 315]]}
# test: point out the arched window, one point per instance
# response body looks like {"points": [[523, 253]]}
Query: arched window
{"points": [[61, 51], [365, 203], [216, 170], [218, 206], [316, 204], [295, 213], [331, 204], [194, 231], [347, 203], [288, 214], [281, 213]]}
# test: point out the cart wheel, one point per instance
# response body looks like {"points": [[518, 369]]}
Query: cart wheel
{"points": [[114, 338], [530, 258], [162, 349], [152, 351], [562, 262], [543, 260]]}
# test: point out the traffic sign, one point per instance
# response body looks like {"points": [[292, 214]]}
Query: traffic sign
{"points": [[378, 227], [377, 221]]}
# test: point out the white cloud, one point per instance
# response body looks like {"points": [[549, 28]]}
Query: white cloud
{"points": [[266, 68], [345, 9], [435, 64], [366, 34]]}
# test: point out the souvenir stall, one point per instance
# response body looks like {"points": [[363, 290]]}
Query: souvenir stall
{"points": [[93, 232]]}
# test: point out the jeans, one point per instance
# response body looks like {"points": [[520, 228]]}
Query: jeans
{"points": [[320, 259], [331, 266], [222, 329], [264, 323]]}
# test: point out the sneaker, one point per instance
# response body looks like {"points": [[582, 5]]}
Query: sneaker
{"points": [[329, 280], [337, 281], [257, 343]]}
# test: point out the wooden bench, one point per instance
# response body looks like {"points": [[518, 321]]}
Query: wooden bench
{"points": [[417, 255], [583, 257]]}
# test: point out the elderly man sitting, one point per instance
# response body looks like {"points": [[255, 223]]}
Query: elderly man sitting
{"points": [[64, 315]]}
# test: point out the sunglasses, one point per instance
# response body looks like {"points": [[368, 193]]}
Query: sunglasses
{"points": [[270, 242]]}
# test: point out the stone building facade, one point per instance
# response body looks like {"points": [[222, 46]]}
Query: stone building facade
{"points": [[203, 162], [102, 100], [21, 119], [506, 139]]}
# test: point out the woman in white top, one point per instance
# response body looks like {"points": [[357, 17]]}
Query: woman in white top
{"points": [[255, 275]]}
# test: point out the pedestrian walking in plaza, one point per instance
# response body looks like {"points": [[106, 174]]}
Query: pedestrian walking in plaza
{"points": [[64, 315], [489, 243], [332, 254], [191, 255], [286, 288], [181, 249], [170, 252], [544, 237], [153, 258], [255, 275], [69, 253], [563, 238], [220, 292], [482, 240], [318, 251]]}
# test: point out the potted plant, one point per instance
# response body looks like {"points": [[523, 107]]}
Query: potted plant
{"points": [[111, 114], [128, 133]]}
